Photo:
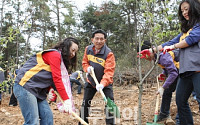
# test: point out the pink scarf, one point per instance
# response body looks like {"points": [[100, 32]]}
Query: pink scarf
{"points": [[66, 82]]}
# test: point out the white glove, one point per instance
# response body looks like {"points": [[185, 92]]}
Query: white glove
{"points": [[51, 95], [89, 69], [169, 48], [99, 87], [81, 75], [60, 107], [160, 91], [67, 105]]}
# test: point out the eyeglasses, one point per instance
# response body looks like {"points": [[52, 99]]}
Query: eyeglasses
{"points": [[97, 38]]}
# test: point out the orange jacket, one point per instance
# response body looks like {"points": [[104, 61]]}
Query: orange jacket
{"points": [[109, 67]]}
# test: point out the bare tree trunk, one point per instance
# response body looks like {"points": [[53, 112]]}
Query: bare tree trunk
{"points": [[140, 87], [44, 39], [135, 31], [1, 24], [17, 42], [44, 35], [141, 91], [1, 16], [27, 41], [58, 19], [26, 48]]}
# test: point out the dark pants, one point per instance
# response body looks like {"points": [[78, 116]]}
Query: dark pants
{"points": [[166, 101], [89, 92], [166, 98], [184, 89], [13, 99], [78, 83], [194, 95]]}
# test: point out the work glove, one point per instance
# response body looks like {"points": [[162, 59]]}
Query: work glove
{"points": [[60, 107], [99, 87], [145, 53], [51, 95], [65, 107], [160, 91], [168, 48], [161, 77], [89, 69]]}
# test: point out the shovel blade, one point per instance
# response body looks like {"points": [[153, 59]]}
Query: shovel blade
{"points": [[112, 107], [148, 123], [154, 123], [155, 119]]}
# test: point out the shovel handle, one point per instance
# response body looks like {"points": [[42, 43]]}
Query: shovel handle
{"points": [[96, 81], [73, 113], [157, 97]]}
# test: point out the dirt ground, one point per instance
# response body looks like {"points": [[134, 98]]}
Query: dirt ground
{"points": [[126, 98]]}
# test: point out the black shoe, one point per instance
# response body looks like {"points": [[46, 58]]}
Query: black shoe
{"points": [[12, 104], [162, 117]]}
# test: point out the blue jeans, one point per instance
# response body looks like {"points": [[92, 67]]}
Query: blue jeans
{"points": [[184, 89], [34, 111], [78, 83]]}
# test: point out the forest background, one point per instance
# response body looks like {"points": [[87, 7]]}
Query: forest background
{"points": [[128, 24]]}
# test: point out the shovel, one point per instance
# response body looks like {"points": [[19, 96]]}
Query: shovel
{"points": [[73, 113], [156, 109], [112, 107]]}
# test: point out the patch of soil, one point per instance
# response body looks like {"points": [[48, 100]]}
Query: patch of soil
{"points": [[126, 98]]}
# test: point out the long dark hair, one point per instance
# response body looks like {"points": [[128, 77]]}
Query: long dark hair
{"points": [[193, 13], [64, 47]]}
